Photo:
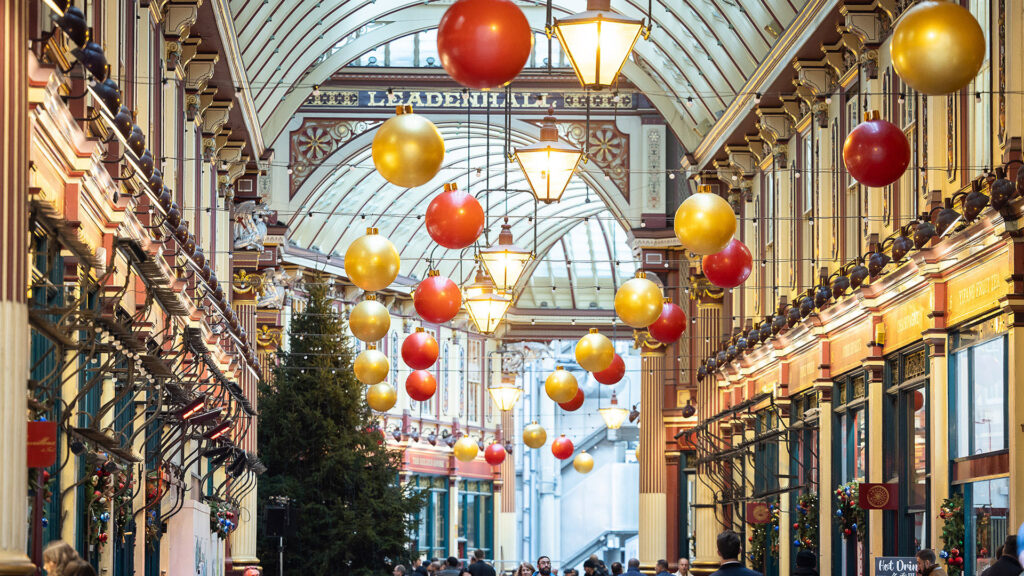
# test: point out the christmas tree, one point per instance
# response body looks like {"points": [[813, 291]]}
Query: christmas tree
{"points": [[325, 451]]}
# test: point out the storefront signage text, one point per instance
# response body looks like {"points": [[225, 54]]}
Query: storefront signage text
{"points": [[906, 321], [850, 347], [895, 566], [977, 290], [457, 100]]}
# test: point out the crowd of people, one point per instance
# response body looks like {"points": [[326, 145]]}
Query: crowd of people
{"points": [[60, 559]]}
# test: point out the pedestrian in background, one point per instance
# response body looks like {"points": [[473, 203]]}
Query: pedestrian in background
{"points": [[616, 568], [57, 556], [525, 569], [661, 568], [1007, 564], [806, 564], [729, 548], [478, 567]]}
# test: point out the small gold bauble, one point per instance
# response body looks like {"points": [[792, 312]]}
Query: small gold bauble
{"points": [[372, 262], [561, 385], [371, 366], [704, 223], [407, 149], [381, 396], [583, 462], [639, 302], [937, 47], [369, 320], [534, 435], [465, 449], [595, 351]]}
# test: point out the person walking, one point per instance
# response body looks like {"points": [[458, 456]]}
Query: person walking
{"points": [[633, 567], [57, 556], [478, 567], [1007, 564], [928, 566], [544, 566], [398, 571], [420, 567], [451, 567], [729, 548], [661, 568], [806, 564], [525, 569], [683, 567], [616, 568]]}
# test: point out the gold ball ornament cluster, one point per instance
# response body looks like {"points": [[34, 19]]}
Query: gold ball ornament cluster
{"points": [[407, 149], [465, 449], [937, 47], [381, 396], [583, 462], [369, 320], [371, 366], [534, 435], [561, 385], [372, 262], [594, 351], [704, 223], [638, 302]]}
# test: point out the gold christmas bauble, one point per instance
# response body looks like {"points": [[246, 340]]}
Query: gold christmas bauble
{"points": [[595, 352], [704, 223], [381, 396], [465, 449], [407, 149], [639, 302], [372, 261], [534, 435], [937, 47], [583, 462], [371, 366], [369, 320], [561, 385]]}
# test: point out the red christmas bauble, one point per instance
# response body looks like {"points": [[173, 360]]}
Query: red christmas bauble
{"points": [[419, 350], [420, 385], [670, 324], [730, 267], [847, 531], [876, 152], [494, 454], [918, 400], [574, 404], [562, 448], [454, 218], [437, 299], [796, 526], [612, 374], [484, 43]]}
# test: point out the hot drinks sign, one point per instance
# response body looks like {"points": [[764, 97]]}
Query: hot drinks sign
{"points": [[458, 100]]}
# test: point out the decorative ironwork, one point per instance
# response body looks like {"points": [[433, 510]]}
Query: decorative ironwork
{"points": [[915, 365], [315, 141], [859, 387]]}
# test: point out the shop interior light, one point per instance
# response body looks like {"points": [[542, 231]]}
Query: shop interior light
{"points": [[548, 164], [597, 42]]}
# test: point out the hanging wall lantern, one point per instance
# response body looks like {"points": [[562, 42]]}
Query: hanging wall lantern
{"points": [[548, 164], [504, 261], [597, 42], [486, 304], [505, 393]]}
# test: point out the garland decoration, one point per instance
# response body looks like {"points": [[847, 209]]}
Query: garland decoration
{"points": [[952, 514], [806, 525], [764, 539], [848, 510], [223, 518]]}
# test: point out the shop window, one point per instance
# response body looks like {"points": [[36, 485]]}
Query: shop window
{"points": [[986, 522], [476, 513], [432, 521], [851, 426], [979, 390], [804, 440], [474, 377], [766, 454]]}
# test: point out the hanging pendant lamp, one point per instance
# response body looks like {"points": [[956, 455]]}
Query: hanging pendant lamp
{"points": [[614, 415], [597, 42], [505, 393], [504, 261], [549, 163], [486, 304]]}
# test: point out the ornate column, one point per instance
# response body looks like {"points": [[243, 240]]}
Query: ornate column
{"points": [[14, 354], [506, 550], [243, 539], [652, 452]]}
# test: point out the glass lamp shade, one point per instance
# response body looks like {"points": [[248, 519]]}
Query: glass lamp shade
{"points": [[613, 415], [505, 394], [486, 305], [598, 42], [504, 261], [548, 164]]}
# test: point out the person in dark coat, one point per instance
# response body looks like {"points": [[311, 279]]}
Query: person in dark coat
{"points": [[661, 568], [806, 564], [729, 549], [1007, 564], [927, 565], [633, 567], [451, 567], [420, 567], [478, 567]]}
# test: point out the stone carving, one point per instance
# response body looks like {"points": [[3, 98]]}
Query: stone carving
{"points": [[274, 289], [250, 227]]}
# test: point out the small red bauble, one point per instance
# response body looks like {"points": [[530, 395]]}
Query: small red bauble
{"points": [[562, 448], [419, 350], [670, 324], [876, 152], [484, 43], [437, 299], [612, 374], [494, 454], [454, 218], [730, 267], [574, 404], [420, 385]]}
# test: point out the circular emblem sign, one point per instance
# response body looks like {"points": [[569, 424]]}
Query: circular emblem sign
{"points": [[877, 496]]}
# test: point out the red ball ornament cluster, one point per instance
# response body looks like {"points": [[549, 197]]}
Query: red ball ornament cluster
{"points": [[574, 404], [484, 43], [612, 374], [494, 454], [730, 267], [562, 448], [420, 385], [454, 218], [419, 350], [437, 299], [670, 324], [876, 152]]}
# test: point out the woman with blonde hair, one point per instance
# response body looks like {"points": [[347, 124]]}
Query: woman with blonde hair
{"points": [[57, 555]]}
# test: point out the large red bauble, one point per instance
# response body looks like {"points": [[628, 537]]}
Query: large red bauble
{"points": [[612, 374], [419, 350], [562, 448], [876, 152], [730, 267], [494, 454], [670, 324], [454, 218], [420, 385], [437, 299], [574, 404], [484, 43]]}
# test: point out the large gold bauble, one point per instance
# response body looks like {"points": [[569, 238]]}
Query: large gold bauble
{"points": [[407, 149], [583, 462], [561, 385], [381, 396], [639, 302], [534, 435], [371, 366], [465, 449], [704, 223], [937, 47], [372, 261], [595, 351], [369, 320]]}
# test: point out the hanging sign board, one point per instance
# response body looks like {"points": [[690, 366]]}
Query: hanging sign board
{"points": [[42, 444], [895, 566], [878, 496], [758, 513]]}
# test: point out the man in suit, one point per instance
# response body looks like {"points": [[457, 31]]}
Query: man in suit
{"points": [[661, 568], [478, 567], [451, 567], [729, 549], [1007, 564]]}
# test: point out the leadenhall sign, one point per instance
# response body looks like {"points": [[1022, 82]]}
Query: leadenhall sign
{"points": [[458, 100]]}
